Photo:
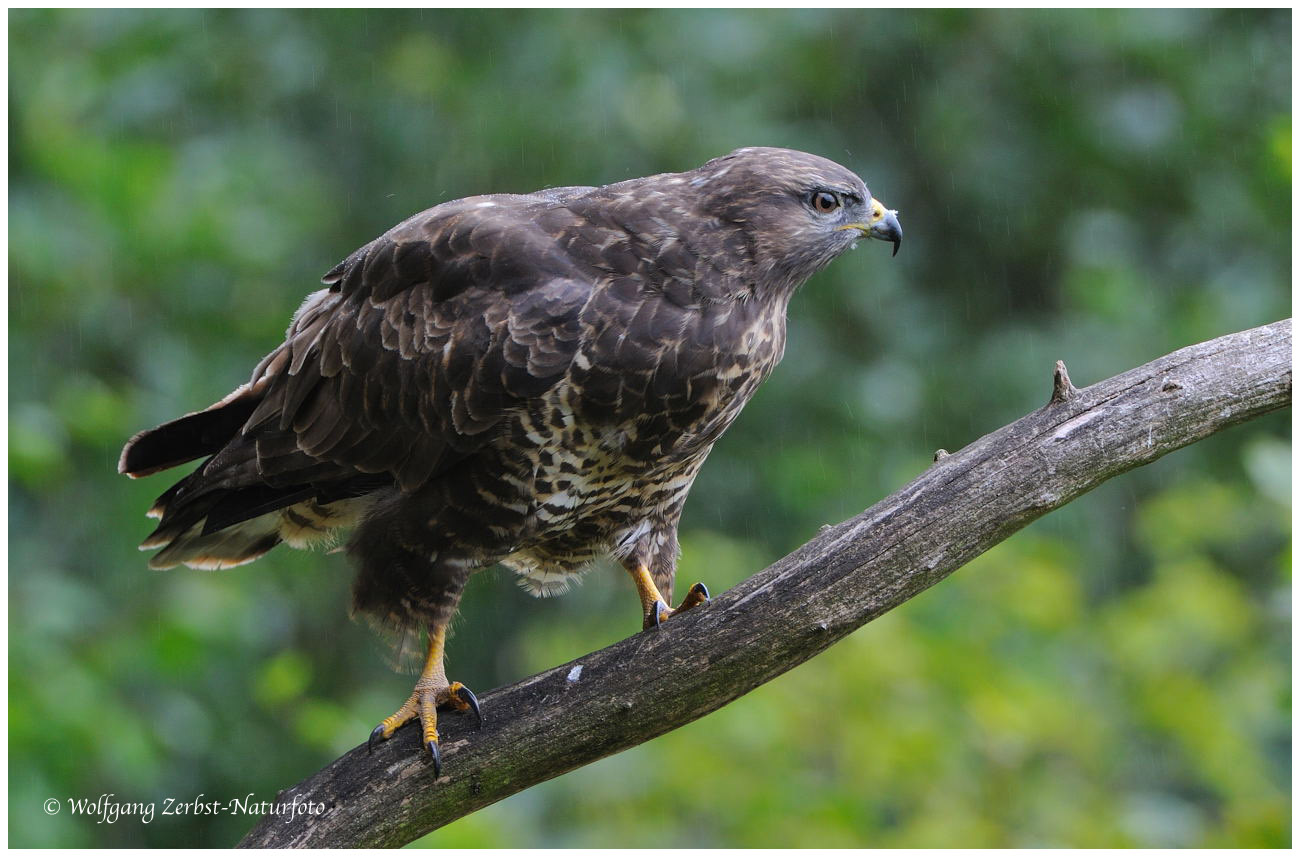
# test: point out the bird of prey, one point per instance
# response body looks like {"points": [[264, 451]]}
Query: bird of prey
{"points": [[532, 380]]}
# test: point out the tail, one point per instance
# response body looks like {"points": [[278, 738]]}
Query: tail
{"points": [[190, 437], [183, 541], [213, 528], [226, 513], [184, 509]]}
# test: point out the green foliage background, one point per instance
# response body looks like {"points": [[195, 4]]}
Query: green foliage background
{"points": [[1097, 187]]}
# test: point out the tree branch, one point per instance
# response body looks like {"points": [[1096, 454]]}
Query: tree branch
{"points": [[849, 574]]}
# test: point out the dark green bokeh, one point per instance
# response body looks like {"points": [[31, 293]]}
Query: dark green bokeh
{"points": [[1096, 187]]}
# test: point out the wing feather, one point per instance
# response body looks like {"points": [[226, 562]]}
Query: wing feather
{"points": [[426, 339], [421, 344]]}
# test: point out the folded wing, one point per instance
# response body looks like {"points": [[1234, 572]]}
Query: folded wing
{"points": [[423, 342]]}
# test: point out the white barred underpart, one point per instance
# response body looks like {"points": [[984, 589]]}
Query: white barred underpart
{"points": [[543, 582], [589, 480]]}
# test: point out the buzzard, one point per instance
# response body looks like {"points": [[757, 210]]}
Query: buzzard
{"points": [[532, 380]]}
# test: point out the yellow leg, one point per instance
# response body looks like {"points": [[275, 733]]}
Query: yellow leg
{"points": [[431, 690], [653, 608]]}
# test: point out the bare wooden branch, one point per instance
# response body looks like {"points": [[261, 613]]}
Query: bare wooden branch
{"points": [[846, 576]]}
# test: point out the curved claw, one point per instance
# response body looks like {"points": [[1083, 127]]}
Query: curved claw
{"points": [[377, 732], [437, 757], [466, 696], [697, 595], [658, 613]]}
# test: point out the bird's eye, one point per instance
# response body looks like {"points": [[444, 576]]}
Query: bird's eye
{"points": [[825, 202]]}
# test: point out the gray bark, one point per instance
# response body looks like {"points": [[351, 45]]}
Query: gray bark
{"points": [[849, 574]]}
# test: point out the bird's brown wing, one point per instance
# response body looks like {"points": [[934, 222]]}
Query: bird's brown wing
{"points": [[422, 343], [424, 340]]}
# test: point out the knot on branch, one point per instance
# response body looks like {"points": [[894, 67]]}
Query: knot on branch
{"points": [[1062, 390]]}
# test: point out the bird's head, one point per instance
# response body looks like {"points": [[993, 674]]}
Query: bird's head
{"points": [[798, 211]]}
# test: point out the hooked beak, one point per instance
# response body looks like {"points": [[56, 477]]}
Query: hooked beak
{"points": [[887, 229], [884, 225]]}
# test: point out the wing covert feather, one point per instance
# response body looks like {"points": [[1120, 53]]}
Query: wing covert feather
{"points": [[424, 341]]}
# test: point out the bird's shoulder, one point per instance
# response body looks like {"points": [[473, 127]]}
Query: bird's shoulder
{"points": [[504, 243]]}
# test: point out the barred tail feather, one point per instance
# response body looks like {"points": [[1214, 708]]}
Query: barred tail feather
{"points": [[236, 545], [186, 540]]}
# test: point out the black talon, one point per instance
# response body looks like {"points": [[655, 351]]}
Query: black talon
{"points": [[374, 733], [702, 590], [465, 695], [654, 611], [437, 758]]}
